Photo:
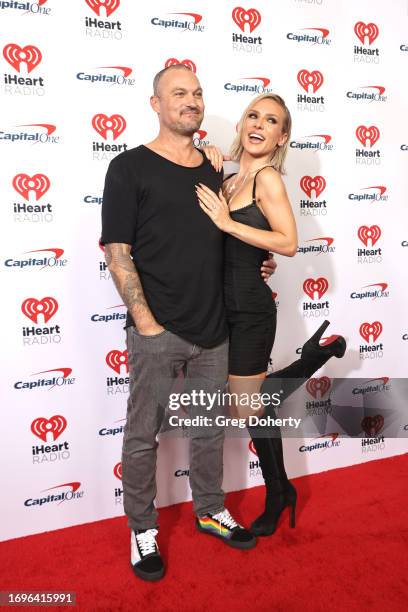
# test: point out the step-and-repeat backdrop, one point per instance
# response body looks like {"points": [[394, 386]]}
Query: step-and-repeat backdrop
{"points": [[75, 84]]}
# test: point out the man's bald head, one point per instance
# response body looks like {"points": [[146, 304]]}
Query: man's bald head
{"points": [[165, 71]]}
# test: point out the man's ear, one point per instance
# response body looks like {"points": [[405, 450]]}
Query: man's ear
{"points": [[155, 104]]}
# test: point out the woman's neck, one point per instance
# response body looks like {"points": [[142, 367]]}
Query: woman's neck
{"points": [[249, 164]]}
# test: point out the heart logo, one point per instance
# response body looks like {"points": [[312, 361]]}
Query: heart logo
{"points": [[370, 134], [39, 183], [366, 233], [372, 425], [318, 385], [370, 329], [109, 5], [54, 425], [102, 123], [115, 360], [172, 61], [308, 79], [251, 17], [251, 447], [309, 184], [117, 470], [363, 30], [14, 55], [312, 286], [32, 308]]}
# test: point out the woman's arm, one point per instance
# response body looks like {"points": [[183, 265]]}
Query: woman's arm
{"points": [[275, 205]]}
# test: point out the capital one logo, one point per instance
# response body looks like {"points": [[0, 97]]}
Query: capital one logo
{"points": [[372, 425], [172, 61], [309, 184], [38, 183], [117, 470], [365, 31], [109, 5], [250, 18], [32, 308], [15, 55], [366, 233], [367, 134], [314, 287], [317, 386], [49, 428], [116, 124], [115, 360], [308, 79], [371, 330]]}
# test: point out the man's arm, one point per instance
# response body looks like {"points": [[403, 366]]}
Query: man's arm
{"points": [[127, 282]]}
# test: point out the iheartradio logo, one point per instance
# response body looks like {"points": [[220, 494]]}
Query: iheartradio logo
{"points": [[50, 429], [309, 184], [315, 289], [252, 448], [32, 308], [315, 386], [172, 61], [310, 79], [116, 124], [15, 55], [371, 330], [368, 136], [250, 18], [367, 234], [109, 6], [115, 360], [365, 31], [200, 134], [372, 425], [38, 183], [117, 470]]}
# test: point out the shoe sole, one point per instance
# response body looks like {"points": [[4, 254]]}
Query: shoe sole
{"points": [[148, 576], [239, 545]]}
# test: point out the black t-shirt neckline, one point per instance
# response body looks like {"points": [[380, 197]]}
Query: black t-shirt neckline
{"points": [[174, 163]]}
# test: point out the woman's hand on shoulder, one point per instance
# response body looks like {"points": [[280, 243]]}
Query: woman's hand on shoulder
{"points": [[215, 156]]}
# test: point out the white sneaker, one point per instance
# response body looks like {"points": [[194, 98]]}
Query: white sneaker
{"points": [[145, 555]]}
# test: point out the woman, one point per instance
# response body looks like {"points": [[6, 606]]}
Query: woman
{"points": [[255, 213]]}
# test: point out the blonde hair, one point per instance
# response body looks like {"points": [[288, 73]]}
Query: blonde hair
{"points": [[279, 153]]}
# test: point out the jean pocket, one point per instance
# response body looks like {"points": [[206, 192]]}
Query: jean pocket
{"points": [[139, 335]]}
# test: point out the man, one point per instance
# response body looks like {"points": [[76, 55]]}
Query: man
{"points": [[166, 259]]}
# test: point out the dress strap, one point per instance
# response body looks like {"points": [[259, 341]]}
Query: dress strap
{"points": [[254, 185], [229, 176]]}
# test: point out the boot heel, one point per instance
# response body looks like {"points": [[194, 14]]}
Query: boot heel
{"points": [[292, 516]]}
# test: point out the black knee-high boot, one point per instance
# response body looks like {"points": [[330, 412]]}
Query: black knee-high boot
{"points": [[280, 492], [313, 357]]}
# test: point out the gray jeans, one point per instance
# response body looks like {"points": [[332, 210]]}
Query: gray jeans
{"points": [[154, 364]]}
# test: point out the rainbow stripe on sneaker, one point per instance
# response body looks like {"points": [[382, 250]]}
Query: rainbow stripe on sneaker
{"points": [[207, 523]]}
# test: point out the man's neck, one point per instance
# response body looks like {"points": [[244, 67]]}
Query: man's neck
{"points": [[176, 147]]}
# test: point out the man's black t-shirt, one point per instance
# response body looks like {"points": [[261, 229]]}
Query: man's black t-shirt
{"points": [[150, 203]]}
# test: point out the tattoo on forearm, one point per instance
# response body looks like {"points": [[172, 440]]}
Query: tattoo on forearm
{"points": [[125, 277]]}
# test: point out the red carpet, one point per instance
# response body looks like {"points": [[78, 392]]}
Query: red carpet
{"points": [[349, 551]]}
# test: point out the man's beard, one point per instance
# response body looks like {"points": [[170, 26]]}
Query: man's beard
{"points": [[190, 128]]}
